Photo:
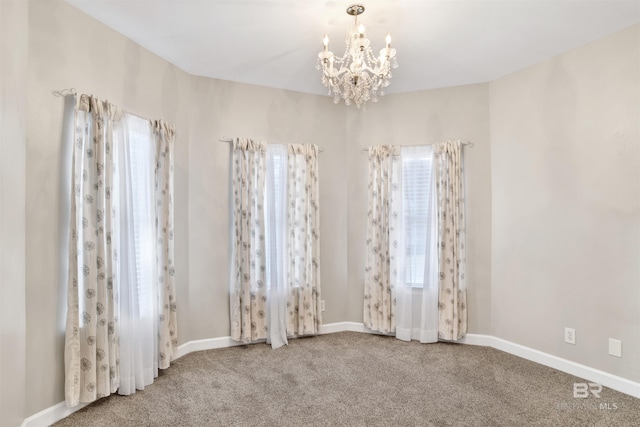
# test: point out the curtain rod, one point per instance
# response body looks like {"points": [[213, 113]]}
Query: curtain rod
{"points": [[229, 140], [464, 143], [72, 91]]}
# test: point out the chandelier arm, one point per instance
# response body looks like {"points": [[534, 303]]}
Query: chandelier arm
{"points": [[342, 70]]}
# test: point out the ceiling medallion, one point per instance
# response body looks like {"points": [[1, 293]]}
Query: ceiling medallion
{"points": [[358, 76]]}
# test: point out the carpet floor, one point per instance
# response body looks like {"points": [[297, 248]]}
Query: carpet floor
{"points": [[354, 379]]}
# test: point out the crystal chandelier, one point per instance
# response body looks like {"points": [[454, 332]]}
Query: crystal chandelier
{"points": [[358, 76]]}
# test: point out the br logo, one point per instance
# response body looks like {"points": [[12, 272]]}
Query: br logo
{"points": [[584, 390]]}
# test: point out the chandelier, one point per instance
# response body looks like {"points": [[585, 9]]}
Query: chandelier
{"points": [[358, 76]]}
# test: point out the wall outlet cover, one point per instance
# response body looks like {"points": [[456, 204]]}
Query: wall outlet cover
{"points": [[570, 335], [615, 347]]}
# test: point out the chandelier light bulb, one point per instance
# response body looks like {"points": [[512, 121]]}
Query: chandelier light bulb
{"points": [[359, 75]]}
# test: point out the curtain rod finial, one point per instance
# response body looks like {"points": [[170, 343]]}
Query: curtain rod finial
{"points": [[64, 92]]}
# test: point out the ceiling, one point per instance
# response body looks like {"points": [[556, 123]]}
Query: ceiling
{"points": [[439, 43]]}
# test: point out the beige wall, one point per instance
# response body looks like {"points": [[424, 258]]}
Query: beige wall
{"points": [[566, 204], [424, 118], [13, 132]]}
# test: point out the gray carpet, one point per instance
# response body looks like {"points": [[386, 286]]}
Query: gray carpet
{"points": [[356, 379]]}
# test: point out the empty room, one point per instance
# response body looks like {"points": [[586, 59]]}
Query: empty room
{"points": [[305, 213]]}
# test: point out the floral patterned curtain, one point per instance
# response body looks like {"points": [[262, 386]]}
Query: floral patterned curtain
{"points": [[167, 323], [452, 304], [92, 330], [303, 223], [379, 291], [248, 293]]}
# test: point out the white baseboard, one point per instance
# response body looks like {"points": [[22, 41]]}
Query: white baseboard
{"points": [[477, 339], [50, 415], [206, 344], [57, 412], [331, 328]]}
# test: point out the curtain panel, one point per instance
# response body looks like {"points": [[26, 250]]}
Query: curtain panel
{"points": [[382, 239], [164, 135], [303, 224], [452, 301], [248, 292], [92, 328]]}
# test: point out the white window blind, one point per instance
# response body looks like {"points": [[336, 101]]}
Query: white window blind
{"points": [[275, 213], [141, 149], [416, 194]]}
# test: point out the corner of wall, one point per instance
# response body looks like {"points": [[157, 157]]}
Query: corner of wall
{"points": [[13, 133]]}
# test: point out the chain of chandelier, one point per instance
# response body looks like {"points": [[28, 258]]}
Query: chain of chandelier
{"points": [[358, 76]]}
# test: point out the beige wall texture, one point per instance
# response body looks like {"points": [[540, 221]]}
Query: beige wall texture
{"points": [[565, 168], [552, 184], [13, 134]]}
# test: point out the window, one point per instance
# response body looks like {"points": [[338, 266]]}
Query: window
{"points": [[141, 155], [275, 214], [416, 165], [134, 187]]}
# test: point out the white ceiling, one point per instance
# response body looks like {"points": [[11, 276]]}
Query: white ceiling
{"points": [[439, 43]]}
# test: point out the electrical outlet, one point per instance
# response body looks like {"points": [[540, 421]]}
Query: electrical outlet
{"points": [[321, 305], [570, 335], [615, 347]]}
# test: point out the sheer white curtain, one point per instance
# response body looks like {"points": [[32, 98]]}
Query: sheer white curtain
{"points": [[135, 222], [277, 244], [416, 257]]}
